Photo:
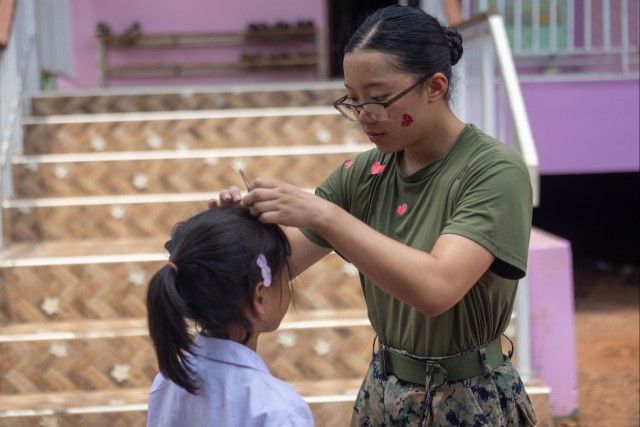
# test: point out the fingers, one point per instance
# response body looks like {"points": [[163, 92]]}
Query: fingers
{"points": [[230, 196]]}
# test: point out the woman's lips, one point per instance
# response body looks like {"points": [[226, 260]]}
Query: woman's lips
{"points": [[375, 137]]}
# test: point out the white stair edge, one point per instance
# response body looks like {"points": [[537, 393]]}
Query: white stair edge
{"points": [[211, 153], [181, 115], [196, 89], [94, 329], [109, 200]]}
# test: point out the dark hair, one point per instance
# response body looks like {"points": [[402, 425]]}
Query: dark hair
{"points": [[417, 40], [215, 254]]}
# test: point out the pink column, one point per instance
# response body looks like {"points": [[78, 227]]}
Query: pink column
{"points": [[553, 352]]}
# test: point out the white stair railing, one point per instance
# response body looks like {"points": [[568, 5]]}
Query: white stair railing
{"points": [[489, 94], [38, 41], [18, 78]]}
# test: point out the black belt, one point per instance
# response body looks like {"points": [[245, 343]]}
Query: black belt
{"points": [[441, 370]]}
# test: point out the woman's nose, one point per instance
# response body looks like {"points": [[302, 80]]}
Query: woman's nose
{"points": [[363, 117]]}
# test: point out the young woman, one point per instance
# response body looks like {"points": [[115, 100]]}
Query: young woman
{"points": [[227, 278], [436, 217]]}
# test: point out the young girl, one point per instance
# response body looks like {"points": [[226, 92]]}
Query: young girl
{"points": [[227, 278], [437, 218]]}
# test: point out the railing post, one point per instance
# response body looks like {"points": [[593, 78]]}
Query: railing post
{"points": [[18, 80]]}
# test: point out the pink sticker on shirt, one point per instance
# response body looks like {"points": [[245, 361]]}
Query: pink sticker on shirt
{"points": [[377, 168], [401, 209], [348, 164]]}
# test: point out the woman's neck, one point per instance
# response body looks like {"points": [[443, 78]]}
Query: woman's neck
{"points": [[435, 146]]}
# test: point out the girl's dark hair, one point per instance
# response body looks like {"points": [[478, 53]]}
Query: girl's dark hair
{"points": [[215, 254], [417, 40]]}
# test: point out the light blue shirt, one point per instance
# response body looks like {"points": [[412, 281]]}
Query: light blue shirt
{"points": [[235, 389]]}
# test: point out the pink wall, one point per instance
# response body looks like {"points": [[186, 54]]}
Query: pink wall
{"points": [[553, 351], [177, 17], [588, 126]]}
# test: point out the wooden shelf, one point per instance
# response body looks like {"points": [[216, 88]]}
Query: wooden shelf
{"points": [[299, 48], [115, 72]]}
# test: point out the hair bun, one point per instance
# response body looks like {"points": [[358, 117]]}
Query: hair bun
{"points": [[455, 44]]}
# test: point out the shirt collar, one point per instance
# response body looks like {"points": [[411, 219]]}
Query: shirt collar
{"points": [[227, 351]]}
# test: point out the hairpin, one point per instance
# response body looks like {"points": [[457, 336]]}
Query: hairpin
{"points": [[264, 269], [173, 267]]}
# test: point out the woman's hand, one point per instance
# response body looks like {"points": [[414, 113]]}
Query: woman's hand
{"points": [[280, 203], [230, 196]]}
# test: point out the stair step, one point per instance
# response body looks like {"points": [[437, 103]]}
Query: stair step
{"points": [[153, 131], [117, 354], [132, 173], [82, 252], [264, 95], [331, 403], [27, 222], [102, 279], [39, 404], [295, 319]]}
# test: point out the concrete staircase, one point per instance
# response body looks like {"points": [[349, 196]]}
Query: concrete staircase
{"points": [[102, 179]]}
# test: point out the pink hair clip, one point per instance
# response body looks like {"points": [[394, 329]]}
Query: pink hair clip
{"points": [[264, 269]]}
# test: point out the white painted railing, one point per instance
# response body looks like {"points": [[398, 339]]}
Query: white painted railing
{"points": [[489, 96], [38, 41], [577, 36], [489, 93], [18, 78]]}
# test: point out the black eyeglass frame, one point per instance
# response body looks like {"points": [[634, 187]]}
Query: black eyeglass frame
{"points": [[340, 102]]}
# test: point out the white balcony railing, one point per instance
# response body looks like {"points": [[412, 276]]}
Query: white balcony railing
{"points": [[571, 36]]}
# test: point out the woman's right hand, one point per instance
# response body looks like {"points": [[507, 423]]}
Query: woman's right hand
{"points": [[229, 196]]}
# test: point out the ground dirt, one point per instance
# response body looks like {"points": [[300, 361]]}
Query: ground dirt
{"points": [[598, 214], [607, 334]]}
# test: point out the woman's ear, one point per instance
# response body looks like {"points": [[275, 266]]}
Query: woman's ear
{"points": [[437, 86]]}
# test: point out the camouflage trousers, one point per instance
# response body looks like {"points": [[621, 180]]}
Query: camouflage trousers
{"points": [[497, 398]]}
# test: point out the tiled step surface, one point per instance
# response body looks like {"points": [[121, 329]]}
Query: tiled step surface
{"points": [[117, 354], [63, 282], [122, 408], [95, 219], [171, 172], [189, 98], [331, 403], [188, 130]]}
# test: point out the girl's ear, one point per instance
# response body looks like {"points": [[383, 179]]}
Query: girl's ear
{"points": [[260, 299], [437, 86]]}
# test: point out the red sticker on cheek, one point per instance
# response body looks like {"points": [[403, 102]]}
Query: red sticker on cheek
{"points": [[406, 120]]}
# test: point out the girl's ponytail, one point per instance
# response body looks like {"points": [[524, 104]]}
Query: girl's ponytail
{"points": [[166, 314]]}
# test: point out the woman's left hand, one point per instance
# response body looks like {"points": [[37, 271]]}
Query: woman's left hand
{"points": [[281, 203]]}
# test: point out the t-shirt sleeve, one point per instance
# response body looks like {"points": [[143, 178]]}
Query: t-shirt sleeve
{"points": [[340, 189], [494, 208]]}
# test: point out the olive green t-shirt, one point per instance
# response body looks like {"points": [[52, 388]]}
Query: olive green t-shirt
{"points": [[480, 190]]}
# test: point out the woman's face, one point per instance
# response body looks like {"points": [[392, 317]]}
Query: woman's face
{"points": [[369, 77]]}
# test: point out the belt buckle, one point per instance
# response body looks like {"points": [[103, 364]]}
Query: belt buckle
{"points": [[435, 374], [383, 357]]}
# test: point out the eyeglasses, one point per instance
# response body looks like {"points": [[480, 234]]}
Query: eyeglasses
{"points": [[374, 110]]}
